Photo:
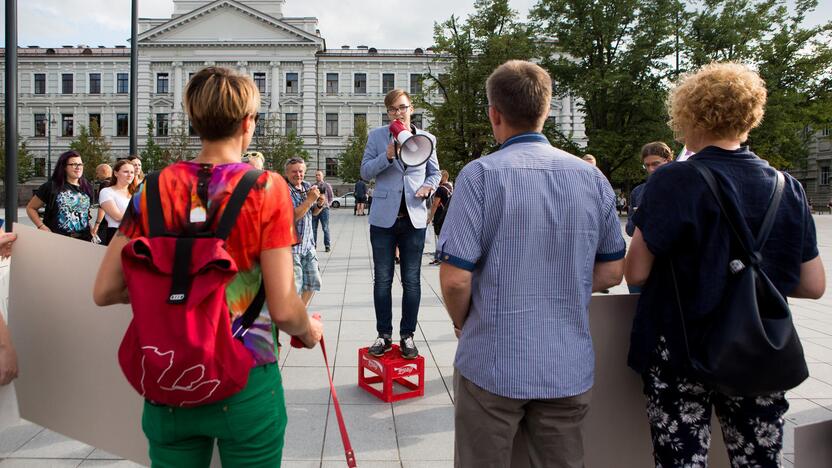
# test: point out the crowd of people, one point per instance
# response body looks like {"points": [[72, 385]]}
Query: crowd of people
{"points": [[518, 303]]}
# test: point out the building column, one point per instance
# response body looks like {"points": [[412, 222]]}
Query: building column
{"points": [[177, 87], [309, 89], [274, 87]]}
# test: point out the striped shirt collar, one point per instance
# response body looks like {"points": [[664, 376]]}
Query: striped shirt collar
{"points": [[525, 137]]}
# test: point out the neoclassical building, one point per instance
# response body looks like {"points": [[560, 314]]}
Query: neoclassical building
{"points": [[318, 91]]}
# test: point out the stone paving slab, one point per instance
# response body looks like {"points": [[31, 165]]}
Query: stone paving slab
{"points": [[416, 433]]}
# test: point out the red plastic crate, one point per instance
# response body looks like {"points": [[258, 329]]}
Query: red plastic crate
{"points": [[389, 369]]}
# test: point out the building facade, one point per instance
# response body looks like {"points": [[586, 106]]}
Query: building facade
{"points": [[306, 87]]}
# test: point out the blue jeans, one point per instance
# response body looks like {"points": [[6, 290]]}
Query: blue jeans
{"points": [[411, 243], [323, 217]]}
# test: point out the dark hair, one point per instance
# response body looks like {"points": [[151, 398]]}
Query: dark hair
{"points": [[59, 174], [657, 148]]}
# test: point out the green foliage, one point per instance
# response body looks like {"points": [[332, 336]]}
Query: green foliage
{"points": [[349, 164], [277, 148], [153, 156], [93, 148], [25, 159], [472, 49], [178, 147], [611, 56]]}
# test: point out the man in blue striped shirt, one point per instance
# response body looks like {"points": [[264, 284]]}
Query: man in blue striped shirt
{"points": [[532, 232]]}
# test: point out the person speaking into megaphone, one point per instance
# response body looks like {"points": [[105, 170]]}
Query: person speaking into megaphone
{"points": [[402, 160]]}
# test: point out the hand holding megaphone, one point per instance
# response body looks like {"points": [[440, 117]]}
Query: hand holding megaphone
{"points": [[415, 149]]}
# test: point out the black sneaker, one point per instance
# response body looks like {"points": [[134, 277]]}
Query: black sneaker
{"points": [[382, 344], [328, 249], [408, 347]]}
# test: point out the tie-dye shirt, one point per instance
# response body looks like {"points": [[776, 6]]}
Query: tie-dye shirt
{"points": [[265, 222]]}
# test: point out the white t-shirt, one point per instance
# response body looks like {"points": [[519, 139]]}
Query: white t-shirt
{"points": [[121, 201]]}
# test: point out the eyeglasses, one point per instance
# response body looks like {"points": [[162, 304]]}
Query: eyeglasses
{"points": [[75, 165], [401, 108]]}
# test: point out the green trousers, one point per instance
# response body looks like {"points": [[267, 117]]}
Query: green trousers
{"points": [[248, 427]]}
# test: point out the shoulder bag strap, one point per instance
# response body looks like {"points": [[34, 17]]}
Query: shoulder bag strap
{"points": [[771, 213], [235, 203], [155, 216]]}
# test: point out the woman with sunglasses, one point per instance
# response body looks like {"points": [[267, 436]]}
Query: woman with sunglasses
{"points": [[67, 196]]}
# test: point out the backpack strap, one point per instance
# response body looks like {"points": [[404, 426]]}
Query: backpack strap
{"points": [[155, 216], [235, 203], [751, 250], [252, 312]]}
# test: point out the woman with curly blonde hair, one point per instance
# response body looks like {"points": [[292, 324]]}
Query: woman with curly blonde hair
{"points": [[680, 229]]}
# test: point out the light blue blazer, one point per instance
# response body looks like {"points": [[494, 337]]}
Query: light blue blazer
{"points": [[391, 179]]}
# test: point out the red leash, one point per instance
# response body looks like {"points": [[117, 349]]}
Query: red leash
{"points": [[345, 438]]}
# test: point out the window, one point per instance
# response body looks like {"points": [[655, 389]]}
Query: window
{"points": [[40, 83], [332, 83], [332, 167], [260, 81], [40, 125], [388, 81], [67, 125], [122, 83], [261, 122], [66, 83], [360, 85], [291, 123], [824, 175], [95, 122], [416, 120], [95, 83], [385, 119], [332, 125], [358, 118], [122, 125], [416, 83], [162, 125], [292, 86], [162, 83], [825, 131]]}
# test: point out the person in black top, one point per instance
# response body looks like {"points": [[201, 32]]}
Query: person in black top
{"points": [[439, 208], [679, 221], [67, 196], [360, 197]]}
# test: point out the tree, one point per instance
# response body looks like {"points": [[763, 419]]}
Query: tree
{"points": [[277, 148], [25, 159], [153, 157], [179, 145], [349, 163], [611, 56], [473, 49], [795, 62], [93, 148]]}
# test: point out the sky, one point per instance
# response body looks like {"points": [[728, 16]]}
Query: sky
{"points": [[374, 23]]}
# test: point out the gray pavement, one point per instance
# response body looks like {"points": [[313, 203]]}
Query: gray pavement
{"points": [[411, 433]]}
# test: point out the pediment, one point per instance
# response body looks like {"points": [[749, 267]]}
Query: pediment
{"points": [[226, 22]]}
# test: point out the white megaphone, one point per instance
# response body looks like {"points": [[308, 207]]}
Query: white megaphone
{"points": [[415, 149]]}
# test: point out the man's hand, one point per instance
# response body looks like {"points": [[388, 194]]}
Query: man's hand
{"points": [[313, 193], [391, 152], [6, 241], [8, 364], [313, 333], [322, 200], [423, 192]]}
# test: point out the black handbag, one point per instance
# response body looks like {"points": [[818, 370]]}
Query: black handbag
{"points": [[751, 347]]}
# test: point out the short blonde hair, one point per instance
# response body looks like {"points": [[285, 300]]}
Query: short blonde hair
{"points": [[522, 92], [724, 100], [391, 97], [217, 100]]}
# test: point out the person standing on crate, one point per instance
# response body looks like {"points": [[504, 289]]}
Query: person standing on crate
{"points": [[520, 303], [398, 219]]}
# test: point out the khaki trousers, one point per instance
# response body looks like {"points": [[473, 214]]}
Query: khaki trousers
{"points": [[486, 425]]}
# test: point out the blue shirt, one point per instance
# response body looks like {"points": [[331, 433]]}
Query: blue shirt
{"points": [[530, 221], [303, 226], [681, 221]]}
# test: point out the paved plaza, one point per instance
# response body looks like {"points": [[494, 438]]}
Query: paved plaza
{"points": [[411, 433]]}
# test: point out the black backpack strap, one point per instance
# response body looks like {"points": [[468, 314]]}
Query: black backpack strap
{"points": [[752, 251], [235, 203], [253, 310], [181, 283], [155, 216]]}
